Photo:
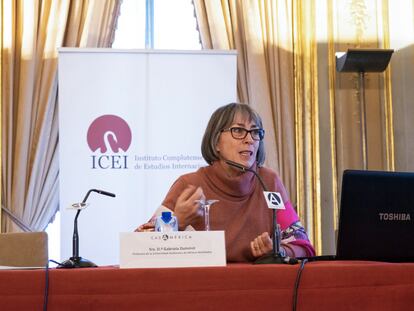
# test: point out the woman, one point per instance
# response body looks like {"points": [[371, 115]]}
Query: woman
{"points": [[235, 133]]}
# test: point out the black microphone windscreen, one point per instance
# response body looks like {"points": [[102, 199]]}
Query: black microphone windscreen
{"points": [[237, 165], [105, 193]]}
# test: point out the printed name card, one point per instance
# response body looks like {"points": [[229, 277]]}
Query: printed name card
{"points": [[172, 249]]}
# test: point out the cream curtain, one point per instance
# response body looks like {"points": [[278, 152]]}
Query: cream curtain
{"points": [[260, 32], [287, 71], [31, 32]]}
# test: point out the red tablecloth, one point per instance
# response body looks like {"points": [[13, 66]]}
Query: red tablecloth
{"points": [[336, 285]]}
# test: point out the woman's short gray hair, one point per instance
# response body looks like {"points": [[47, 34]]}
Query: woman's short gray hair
{"points": [[221, 119]]}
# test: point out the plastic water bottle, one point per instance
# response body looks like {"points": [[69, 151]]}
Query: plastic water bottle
{"points": [[166, 222]]}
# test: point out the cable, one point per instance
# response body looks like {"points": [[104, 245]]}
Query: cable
{"points": [[46, 295], [295, 291], [56, 262]]}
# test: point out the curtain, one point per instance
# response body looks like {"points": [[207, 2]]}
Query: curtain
{"points": [[307, 123], [31, 33], [287, 71], [260, 32]]}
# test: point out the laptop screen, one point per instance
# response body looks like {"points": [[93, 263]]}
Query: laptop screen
{"points": [[376, 220]]}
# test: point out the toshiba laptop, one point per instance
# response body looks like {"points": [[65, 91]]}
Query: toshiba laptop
{"points": [[376, 220]]}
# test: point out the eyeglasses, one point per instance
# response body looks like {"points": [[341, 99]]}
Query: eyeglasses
{"points": [[241, 133]]}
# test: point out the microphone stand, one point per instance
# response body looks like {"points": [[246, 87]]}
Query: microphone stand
{"points": [[76, 261], [276, 257]]}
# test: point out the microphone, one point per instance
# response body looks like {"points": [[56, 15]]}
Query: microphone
{"points": [[76, 261], [246, 169], [97, 191], [276, 256]]}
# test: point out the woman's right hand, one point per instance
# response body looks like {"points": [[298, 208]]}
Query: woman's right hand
{"points": [[186, 208]]}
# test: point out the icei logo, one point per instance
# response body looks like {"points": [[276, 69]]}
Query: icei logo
{"points": [[109, 137]]}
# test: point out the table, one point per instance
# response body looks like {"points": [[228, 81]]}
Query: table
{"points": [[333, 285]]}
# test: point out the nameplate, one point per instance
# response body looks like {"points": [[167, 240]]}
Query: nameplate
{"points": [[173, 249]]}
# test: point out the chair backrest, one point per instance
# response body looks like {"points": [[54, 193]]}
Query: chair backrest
{"points": [[24, 249]]}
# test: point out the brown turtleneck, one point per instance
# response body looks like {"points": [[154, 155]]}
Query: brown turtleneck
{"points": [[241, 211]]}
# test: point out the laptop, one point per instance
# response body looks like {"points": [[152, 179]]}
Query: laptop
{"points": [[376, 220]]}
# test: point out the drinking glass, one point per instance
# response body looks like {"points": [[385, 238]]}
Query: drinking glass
{"points": [[205, 205]]}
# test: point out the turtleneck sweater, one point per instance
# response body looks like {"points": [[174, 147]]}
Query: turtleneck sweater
{"points": [[241, 210]]}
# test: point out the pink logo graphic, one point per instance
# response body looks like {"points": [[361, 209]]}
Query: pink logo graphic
{"points": [[109, 132]]}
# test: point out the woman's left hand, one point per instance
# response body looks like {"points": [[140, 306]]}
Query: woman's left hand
{"points": [[261, 245], [149, 226]]}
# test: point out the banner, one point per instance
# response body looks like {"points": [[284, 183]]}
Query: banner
{"points": [[130, 123]]}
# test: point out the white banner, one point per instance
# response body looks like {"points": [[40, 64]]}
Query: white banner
{"points": [[130, 123]]}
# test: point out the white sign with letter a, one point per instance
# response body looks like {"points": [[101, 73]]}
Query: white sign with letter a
{"points": [[274, 200], [172, 249]]}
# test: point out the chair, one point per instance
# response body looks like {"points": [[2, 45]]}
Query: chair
{"points": [[24, 249]]}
